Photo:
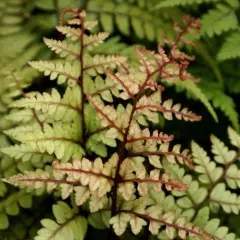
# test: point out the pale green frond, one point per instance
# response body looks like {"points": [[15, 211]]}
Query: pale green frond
{"points": [[209, 173], [64, 49], [234, 137], [94, 40], [61, 71], [221, 152], [99, 63], [220, 196], [68, 224], [106, 88], [62, 139], [212, 225], [73, 33], [65, 109], [27, 152], [219, 20], [195, 193], [23, 116], [232, 177]]}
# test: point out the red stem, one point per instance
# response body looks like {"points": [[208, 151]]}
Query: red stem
{"points": [[82, 171], [175, 226], [178, 186]]}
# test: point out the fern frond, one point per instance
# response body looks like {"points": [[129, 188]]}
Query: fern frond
{"points": [[125, 16], [62, 139], [167, 108], [104, 87], [230, 202], [73, 33], [222, 101], [138, 214], [25, 115], [65, 109], [221, 152], [84, 174], [61, 71], [195, 91], [212, 226], [174, 3], [176, 154], [99, 63], [208, 170], [195, 193], [27, 152], [232, 177], [234, 137], [68, 224], [10, 206], [94, 40], [229, 49], [64, 49], [214, 176], [12, 17], [219, 20]]}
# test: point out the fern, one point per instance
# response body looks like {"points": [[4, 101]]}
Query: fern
{"points": [[173, 3], [212, 177], [229, 48], [68, 224], [129, 15], [93, 138], [194, 90], [10, 206], [67, 132], [222, 101], [219, 20]]}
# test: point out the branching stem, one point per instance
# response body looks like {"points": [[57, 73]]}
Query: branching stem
{"points": [[207, 198], [135, 99]]}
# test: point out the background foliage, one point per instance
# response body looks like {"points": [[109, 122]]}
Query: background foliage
{"points": [[130, 23]]}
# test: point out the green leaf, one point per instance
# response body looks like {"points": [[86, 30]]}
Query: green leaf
{"points": [[49, 5], [79, 227], [25, 201], [219, 20], [12, 209], [107, 19], [202, 217], [121, 20], [234, 137], [173, 3], [96, 221], [62, 212], [4, 223], [230, 48]]}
